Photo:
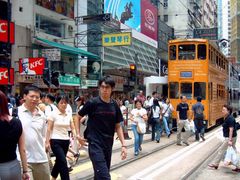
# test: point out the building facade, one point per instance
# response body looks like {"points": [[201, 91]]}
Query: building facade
{"points": [[235, 29]]}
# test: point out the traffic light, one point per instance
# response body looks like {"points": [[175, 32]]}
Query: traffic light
{"points": [[133, 71], [46, 77], [54, 78]]}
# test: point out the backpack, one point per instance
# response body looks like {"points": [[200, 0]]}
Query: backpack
{"points": [[199, 113], [15, 112]]}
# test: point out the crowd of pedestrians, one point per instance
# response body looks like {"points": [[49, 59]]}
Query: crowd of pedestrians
{"points": [[42, 124]]}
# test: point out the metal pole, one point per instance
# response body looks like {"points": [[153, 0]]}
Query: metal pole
{"points": [[8, 41], [159, 68]]}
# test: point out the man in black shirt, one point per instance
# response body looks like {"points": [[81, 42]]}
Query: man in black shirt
{"points": [[182, 121], [104, 117]]}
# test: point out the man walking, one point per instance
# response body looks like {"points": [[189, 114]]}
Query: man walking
{"points": [[34, 125], [182, 121], [104, 117], [198, 109]]}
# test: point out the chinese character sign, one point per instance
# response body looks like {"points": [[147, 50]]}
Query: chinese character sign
{"points": [[120, 39], [31, 66]]}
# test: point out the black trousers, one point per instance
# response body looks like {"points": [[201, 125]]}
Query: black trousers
{"points": [[100, 156], [60, 149]]}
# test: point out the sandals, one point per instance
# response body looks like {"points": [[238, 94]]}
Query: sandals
{"points": [[213, 166]]}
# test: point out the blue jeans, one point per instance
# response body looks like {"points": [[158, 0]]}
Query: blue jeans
{"points": [[165, 124], [138, 138], [199, 129], [158, 130]]}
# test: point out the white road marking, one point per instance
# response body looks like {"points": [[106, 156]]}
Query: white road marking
{"points": [[160, 166]]}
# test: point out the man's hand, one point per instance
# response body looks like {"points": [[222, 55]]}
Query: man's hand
{"points": [[124, 152], [81, 140]]}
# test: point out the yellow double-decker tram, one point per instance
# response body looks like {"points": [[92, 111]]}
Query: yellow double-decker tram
{"points": [[197, 68]]}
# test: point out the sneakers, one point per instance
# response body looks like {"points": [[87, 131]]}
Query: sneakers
{"points": [[202, 137], [136, 154], [169, 135], [186, 143], [213, 166], [157, 141], [140, 148]]}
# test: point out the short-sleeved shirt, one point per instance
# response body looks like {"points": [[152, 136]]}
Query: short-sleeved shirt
{"points": [[102, 119], [197, 106], [137, 115], [10, 133], [229, 122], [183, 109], [61, 124]]}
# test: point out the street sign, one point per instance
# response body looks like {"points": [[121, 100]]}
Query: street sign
{"points": [[91, 19], [206, 33], [52, 54], [69, 80], [118, 39]]}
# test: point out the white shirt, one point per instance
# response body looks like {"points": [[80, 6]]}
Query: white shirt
{"points": [[166, 109], [156, 112], [137, 114], [124, 111], [34, 127], [69, 109], [49, 108], [61, 124]]}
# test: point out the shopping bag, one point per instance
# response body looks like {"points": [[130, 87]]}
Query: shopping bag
{"points": [[192, 126], [141, 127], [231, 156]]}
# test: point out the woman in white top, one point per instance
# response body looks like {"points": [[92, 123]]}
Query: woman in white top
{"points": [[57, 137], [155, 120], [138, 115]]}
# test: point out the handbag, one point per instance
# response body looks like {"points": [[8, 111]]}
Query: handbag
{"points": [[141, 127], [231, 156], [162, 114]]}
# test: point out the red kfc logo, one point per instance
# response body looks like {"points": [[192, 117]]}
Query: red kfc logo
{"points": [[31, 66], [4, 31], [4, 76]]}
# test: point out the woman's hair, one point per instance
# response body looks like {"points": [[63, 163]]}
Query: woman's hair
{"points": [[61, 97], [155, 104], [139, 102], [80, 98], [229, 108], [4, 112]]}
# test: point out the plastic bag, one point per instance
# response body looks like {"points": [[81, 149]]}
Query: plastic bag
{"points": [[141, 128], [231, 157], [192, 126]]}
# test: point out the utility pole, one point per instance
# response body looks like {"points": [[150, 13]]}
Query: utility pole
{"points": [[8, 44]]}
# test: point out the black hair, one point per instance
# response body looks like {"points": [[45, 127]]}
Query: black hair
{"points": [[42, 95], [155, 104], [154, 92], [108, 80], [51, 97], [29, 88], [229, 108], [199, 99], [62, 97], [138, 100]]}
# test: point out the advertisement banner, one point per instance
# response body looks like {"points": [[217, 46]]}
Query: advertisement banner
{"points": [[125, 11], [63, 7], [4, 76], [120, 39], [69, 80], [4, 31], [31, 66], [149, 19], [94, 70]]}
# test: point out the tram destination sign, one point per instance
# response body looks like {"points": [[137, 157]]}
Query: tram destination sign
{"points": [[186, 74], [206, 33]]}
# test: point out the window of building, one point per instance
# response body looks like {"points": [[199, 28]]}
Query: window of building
{"points": [[172, 51], [202, 51], [174, 90], [200, 89], [50, 26], [186, 90], [186, 52], [165, 4], [165, 18]]}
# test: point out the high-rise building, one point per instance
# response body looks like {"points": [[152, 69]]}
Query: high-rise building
{"points": [[209, 13], [224, 26], [235, 26], [183, 15]]}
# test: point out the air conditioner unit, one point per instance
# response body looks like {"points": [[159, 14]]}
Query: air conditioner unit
{"points": [[70, 28]]}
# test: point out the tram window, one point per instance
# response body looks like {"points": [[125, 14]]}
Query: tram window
{"points": [[200, 90], [173, 52], [186, 90], [186, 52], [202, 52], [174, 90]]}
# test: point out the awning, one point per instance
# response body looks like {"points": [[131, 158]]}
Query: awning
{"points": [[68, 49]]}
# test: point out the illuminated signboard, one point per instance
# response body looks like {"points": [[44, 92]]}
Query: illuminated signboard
{"points": [[4, 76], [4, 31], [140, 15], [120, 39], [186, 74], [31, 66]]}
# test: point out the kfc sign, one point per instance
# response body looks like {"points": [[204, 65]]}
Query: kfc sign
{"points": [[4, 31], [4, 76], [31, 66]]}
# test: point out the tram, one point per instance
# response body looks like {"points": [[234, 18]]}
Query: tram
{"points": [[196, 67]]}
